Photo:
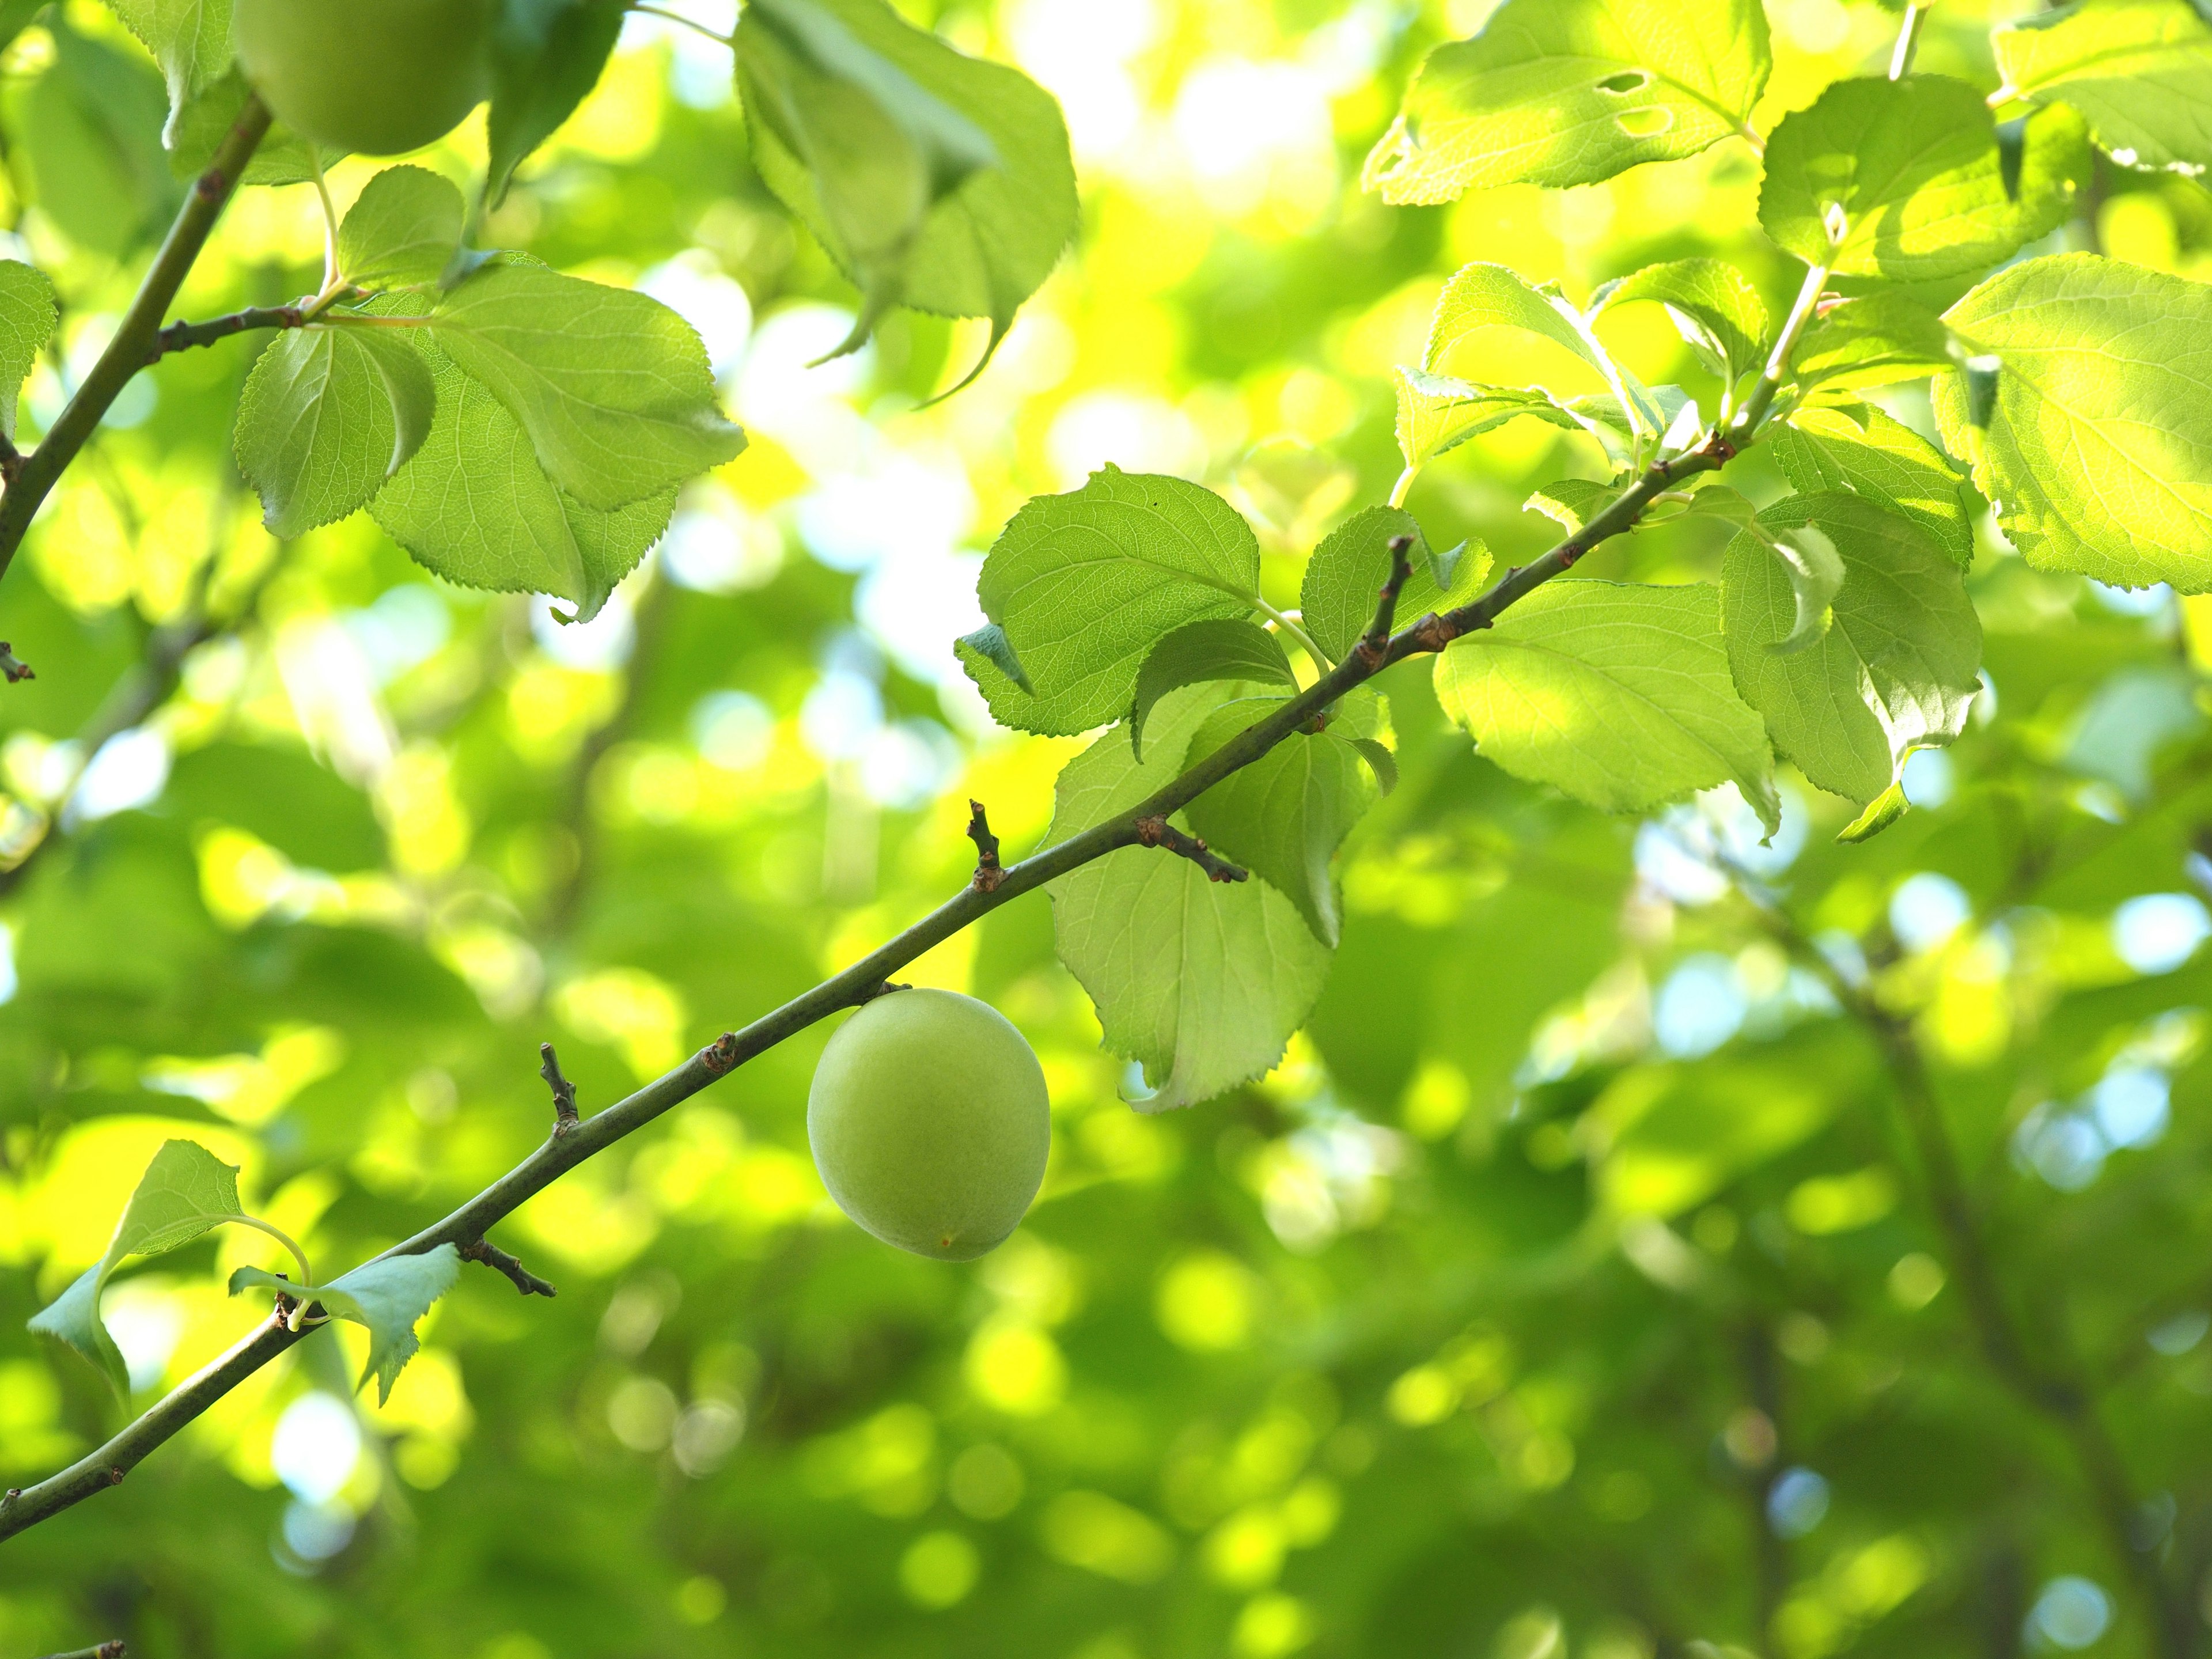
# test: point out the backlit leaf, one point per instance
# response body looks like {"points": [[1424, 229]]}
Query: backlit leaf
{"points": [[2140, 70], [1618, 695], [328, 414], [2097, 453], [1570, 92]]}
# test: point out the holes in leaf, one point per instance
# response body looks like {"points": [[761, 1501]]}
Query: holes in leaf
{"points": [[1626, 81], [1645, 122]]}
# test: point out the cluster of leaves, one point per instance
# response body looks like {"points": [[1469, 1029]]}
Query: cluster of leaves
{"points": [[521, 430], [1840, 635]]}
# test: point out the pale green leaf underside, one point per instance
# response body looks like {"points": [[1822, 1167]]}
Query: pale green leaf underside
{"points": [[387, 1296], [1860, 448], [1714, 307], [1897, 668], [27, 315], [2099, 452], [2139, 70], [1202, 982], [1437, 412], [328, 414], [1221, 648], [1284, 815], [186, 1191], [1482, 295], [403, 228], [1086, 583], [474, 507], [1344, 578], [1912, 168], [1878, 340], [612, 388], [1570, 92], [979, 246], [1618, 695]]}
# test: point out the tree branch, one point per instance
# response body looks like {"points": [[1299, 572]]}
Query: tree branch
{"points": [[1145, 823], [134, 338], [564, 1093], [484, 1250], [114, 1650], [1156, 831], [989, 873], [182, 337], [1376, 640], [2059, 1393]]}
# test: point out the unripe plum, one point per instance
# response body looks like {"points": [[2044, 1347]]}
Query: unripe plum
{"points": [[373, 77], [930, 1122]]}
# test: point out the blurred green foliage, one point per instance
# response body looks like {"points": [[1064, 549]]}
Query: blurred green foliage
{"points": [[1572, 1288]]}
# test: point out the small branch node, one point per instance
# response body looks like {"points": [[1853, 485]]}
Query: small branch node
{"points": [[1570, 553], [565, 1115], [1156, 831], [115, 1474], [881, 988], [490, 1255], [15, 1496], [114, 1649], [10, 665], [989, 873], [719, 1057]]}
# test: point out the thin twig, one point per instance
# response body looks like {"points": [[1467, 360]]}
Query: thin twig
{"points": [[114, 1650], [1156, 831], [1908, 41], [11, 667], [854, 985], [1376, 640], [182, 337], [989, 873], [134, 336], [565, 1117], [2059, 1391], [484, 1250]]}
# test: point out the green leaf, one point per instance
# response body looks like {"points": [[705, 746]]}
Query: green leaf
{"points": [[1858, 448], [990, 644], [188, 39], [1713, 306], [1437, 412], [1570, 92], [1481, 295], [27, 315], [1618, 695], [1808, 562], [1218, 648], [2099, 452], [328, 414], [1345, 576], [1884, 810], [1285, 815], [935, 180], [1380, 760], [197, 127], [1898, 669], [1084, 584], [186, 1191], [388, 1296], [73, 1320], [2139, 70], [1201, 982], [1903, 179], [1875, 341], [474, 507], [545, 56], [403, 228], [612, 388], [1571, 502], [91, 125]]}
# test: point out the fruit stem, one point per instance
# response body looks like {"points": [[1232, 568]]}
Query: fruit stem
{"points": [[133, 341], [690, 23]]}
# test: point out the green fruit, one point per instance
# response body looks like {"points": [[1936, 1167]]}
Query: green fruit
{"points": [[930, 1123], [373, 77]]}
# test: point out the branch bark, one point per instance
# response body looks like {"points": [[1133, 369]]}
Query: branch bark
{"points": [[569, 1145], [2057, 1392], [134, 340]]}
